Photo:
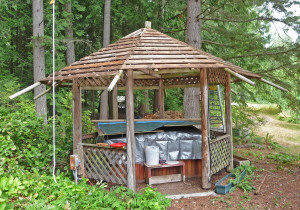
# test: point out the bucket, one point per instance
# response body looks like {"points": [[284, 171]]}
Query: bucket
{"points": [[152, 155]]}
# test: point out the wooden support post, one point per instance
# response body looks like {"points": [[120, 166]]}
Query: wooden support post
{"points": [[161, 100], [80, 156], [204, 130], [113, 103], [131, 181], [228, 117], [77, 121]]}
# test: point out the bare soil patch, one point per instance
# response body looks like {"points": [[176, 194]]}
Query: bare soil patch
{"points": [[282, 132], [281, 189]]}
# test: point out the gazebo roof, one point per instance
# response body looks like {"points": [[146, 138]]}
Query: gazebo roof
{"points": [[147, 52]]}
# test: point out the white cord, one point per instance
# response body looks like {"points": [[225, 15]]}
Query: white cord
{"points": [[53, 85]]}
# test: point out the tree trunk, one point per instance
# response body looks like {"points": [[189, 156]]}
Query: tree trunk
{"points": [[39, 57], [155, 101], [70, 53], [145, 107], [106, 41], [191, 103]]}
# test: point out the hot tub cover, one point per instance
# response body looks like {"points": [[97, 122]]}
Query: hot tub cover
{"points": [[176, 143]]}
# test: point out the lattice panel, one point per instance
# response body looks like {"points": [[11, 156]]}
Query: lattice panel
{"points": [[217, 76], [105, 164], [219, 153], [182, 81], [146, 82]]}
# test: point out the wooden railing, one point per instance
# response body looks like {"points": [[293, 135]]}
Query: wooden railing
{"points": [[107, 164], [219, 153]]}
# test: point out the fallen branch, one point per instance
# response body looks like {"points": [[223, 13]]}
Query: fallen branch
{"points": [[259, 187]]}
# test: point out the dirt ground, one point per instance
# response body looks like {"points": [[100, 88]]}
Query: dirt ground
{"points": [[281, 189], [287, 134]]}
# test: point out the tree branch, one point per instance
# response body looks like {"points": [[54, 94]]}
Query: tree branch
{"points": [[249, 20], [296, 49], [216, 43], [278, 67]]}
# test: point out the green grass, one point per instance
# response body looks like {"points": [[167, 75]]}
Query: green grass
{"points": [[290, 126], [271, 109]]}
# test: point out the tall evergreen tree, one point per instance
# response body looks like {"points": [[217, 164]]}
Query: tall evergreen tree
{"points": [[106, 41], [191, 101], [39, 56]]}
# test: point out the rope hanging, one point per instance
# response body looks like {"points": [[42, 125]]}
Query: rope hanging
{"points": [[53, 84]]}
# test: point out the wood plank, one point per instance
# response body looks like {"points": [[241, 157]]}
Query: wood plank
{"points": [[131, 179], [89, 135], [146, 48], [157, 37], [110, 51], [167, 56], [107, 55], [77, 115], [100, 60], [170, 61], [155, 41], [112, 63], [155, 131], [172, 66], [120, 88], [141, 120], [174, 44], [165, 52], [204, 130], [81, 158], [228, 117], [166, 178]]}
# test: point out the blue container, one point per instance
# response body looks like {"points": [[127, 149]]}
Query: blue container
{"points": [[223, 189]]}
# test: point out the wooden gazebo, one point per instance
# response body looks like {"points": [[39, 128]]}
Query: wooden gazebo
{"points": [[149, 59]]}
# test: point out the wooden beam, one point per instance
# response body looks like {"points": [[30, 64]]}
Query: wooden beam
{"points": [[120, 88], [131, 180], [240, 76], [161, 99], [77, 113], [25, 90], [144, 120], [115, 113], [228, 117], [272, 84], [204, 130]]}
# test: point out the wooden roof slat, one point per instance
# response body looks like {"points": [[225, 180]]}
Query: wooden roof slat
{"points": [[165, 52], [93, 65], [169, 61], [160, 45], [103, 56], [166, 56], [170, 66], [113, 58], [162, 48], [144, 50], [69, 77]]}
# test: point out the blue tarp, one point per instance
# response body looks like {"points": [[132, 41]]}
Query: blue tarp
{"points": [[140, 126]]}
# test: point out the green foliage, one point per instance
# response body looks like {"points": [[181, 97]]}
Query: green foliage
{"points": [[66, 194], [245, 183], [271, 144], [26, 153], [284, 158], [9, 187]]}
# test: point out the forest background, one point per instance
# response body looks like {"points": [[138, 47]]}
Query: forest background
{"points": [[241, 32]]}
